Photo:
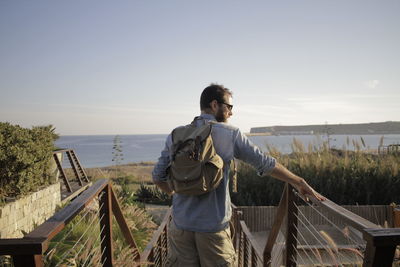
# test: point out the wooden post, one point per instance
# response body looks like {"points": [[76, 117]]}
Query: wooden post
{"points": [[28, 260], [381, 245], [235, 233], [396, 217], [291, 235], [106, 225]]}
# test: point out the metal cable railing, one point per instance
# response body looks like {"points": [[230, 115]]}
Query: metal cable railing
{"points": [[249, 253], [293, 240], [156, 251]]}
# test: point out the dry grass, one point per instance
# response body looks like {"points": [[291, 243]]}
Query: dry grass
{"points": [[141, 172]]}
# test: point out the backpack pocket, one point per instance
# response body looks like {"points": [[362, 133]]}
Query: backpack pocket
{"points": [[213, 172]]}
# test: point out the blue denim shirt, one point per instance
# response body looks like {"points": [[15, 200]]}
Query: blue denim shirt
{"points": [[211, 212]]}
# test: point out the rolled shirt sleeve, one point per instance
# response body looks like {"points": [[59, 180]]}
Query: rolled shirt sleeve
{"points": [[245, 150], [160, 169]]}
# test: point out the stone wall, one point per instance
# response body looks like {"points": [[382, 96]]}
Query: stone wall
{"points": [[28, 212]]}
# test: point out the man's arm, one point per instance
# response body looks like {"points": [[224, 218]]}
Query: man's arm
{"points": [[281, 173], [266, 165], [160, 169]]}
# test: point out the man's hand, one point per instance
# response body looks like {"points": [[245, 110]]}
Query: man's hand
{"points": [[283, 174], [164, 186], [307, 191]]}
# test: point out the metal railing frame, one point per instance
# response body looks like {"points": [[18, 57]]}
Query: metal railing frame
{"points": [[29, 250]]}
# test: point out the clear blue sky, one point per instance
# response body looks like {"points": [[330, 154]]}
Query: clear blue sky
{"points": [[138, 67]]}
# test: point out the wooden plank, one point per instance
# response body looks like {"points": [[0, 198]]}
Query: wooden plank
{"points": [[62, 173], [383, 236], [126, 232], [57, 222], [76, 193]]}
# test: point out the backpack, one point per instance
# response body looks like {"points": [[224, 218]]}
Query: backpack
{"points": [[195, 166]]}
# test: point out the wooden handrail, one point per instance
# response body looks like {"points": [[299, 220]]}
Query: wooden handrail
{"points": [[57, 222], [352, 219]]}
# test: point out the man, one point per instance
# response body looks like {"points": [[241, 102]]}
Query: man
{"points": [[199, 233]]}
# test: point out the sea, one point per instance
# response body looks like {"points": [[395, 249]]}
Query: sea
{"points": [[96, 150]]}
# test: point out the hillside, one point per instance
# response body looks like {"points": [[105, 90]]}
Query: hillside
{"points": [[389, 127]]}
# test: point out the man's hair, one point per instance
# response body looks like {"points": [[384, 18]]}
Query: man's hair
{"points": [[213, 92]]}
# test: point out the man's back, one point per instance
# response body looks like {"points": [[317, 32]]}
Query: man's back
{"points": [[211, 212]]}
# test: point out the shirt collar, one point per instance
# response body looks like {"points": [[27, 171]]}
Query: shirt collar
{"points": [[207, 116]]}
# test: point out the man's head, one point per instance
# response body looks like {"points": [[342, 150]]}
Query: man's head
{"points": [[217, 100]]}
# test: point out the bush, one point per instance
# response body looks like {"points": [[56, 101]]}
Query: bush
{"points": [[152, 195], [25, 158], [254, 190]]}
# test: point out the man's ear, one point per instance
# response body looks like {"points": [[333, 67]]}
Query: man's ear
{"points": [[214, 105]]}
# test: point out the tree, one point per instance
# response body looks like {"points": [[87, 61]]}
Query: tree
{"points": [[118, 155]]}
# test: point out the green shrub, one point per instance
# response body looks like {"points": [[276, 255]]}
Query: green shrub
{"points": [[254, 190], [152, 195], [25, 158]]}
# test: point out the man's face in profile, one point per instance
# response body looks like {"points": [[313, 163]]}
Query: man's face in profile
{"points": [[224, 111]]}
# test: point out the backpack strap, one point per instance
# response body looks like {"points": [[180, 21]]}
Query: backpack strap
{"points": [[197, 118]]}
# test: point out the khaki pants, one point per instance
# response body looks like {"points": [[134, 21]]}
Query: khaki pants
{"points": [[194, 249]]}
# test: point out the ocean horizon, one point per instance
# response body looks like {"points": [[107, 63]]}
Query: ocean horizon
{"points": [[96, 150]]}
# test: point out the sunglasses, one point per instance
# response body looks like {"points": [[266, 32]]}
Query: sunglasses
{"points": [[229, 106]]}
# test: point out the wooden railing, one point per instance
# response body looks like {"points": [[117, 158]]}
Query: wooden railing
{"points": [[389, 149], [72, 174], [32, 250]]}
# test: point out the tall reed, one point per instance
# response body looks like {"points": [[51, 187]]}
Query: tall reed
{"points": [[344, 176]]}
